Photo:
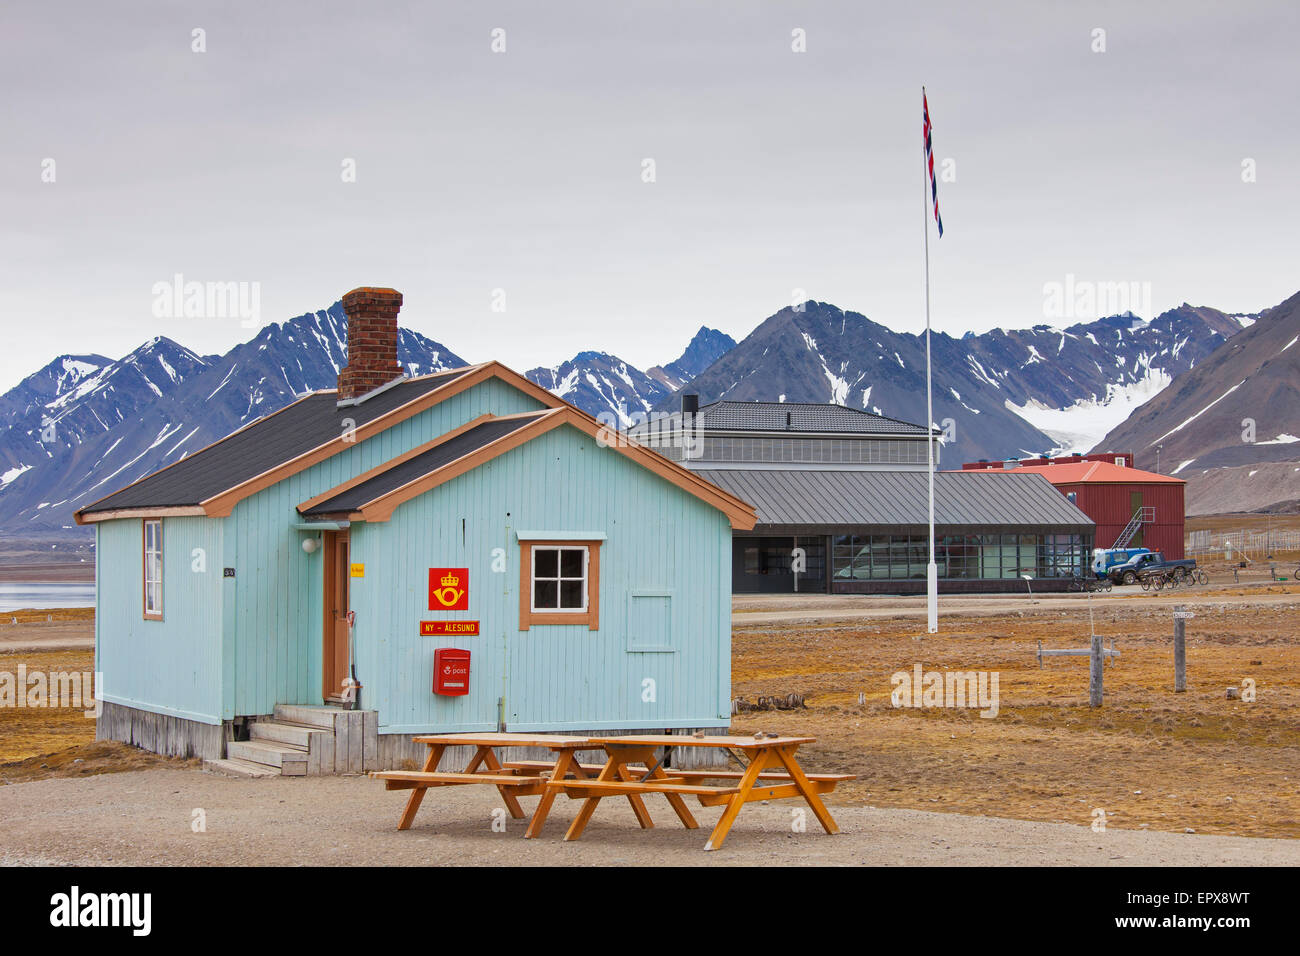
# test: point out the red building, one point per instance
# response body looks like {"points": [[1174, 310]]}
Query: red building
{"points": [[1111, 495]]}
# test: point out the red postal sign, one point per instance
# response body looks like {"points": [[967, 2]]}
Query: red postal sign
{"points": [[449, 628], [449, 589]]}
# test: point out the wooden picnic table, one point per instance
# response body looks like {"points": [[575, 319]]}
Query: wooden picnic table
{"points": [[771, 773], [513, 779]]}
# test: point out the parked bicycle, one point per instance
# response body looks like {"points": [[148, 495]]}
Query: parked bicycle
{"points": [[1173, 578], [1080, 583]]}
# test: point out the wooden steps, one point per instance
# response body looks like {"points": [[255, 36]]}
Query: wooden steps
{"points": [[275, 731], [298, 740], [236, 767], [322, 717], [291, 760]]}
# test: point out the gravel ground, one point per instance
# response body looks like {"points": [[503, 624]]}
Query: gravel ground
{"points": [[145, 818]]}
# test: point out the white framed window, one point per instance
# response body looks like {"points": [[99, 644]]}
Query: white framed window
{"points": [[153, 576], [559, 581], [560, 578]]}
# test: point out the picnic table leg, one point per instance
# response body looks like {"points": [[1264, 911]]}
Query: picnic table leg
{"points": [[561, 769], [756, 765], [786, 756], [475, 761], [511, 801], [678, 804], [638, 805], [611, 771], [417, 795]]}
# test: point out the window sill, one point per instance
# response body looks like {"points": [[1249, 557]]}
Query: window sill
{"points": [[542, 618]]}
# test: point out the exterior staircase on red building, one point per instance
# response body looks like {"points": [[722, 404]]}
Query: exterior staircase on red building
{"points": [[1140, 517]]}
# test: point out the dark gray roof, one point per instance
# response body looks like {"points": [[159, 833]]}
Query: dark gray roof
{"points": [[804, 417], [467, 442], [966, 502], [261, 446]]}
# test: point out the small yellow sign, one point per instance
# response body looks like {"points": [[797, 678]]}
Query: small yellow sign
{"points": [[358, 570]]}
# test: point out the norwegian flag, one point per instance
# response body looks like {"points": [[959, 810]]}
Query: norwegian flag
{"points": [[929, 160]]}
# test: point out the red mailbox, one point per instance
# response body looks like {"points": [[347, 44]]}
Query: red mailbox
{"points": [[450, 671]]}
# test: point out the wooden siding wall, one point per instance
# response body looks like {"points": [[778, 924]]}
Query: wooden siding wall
{"points": [[661, 541], [172, 666], [1110, 506], [275, 623]]}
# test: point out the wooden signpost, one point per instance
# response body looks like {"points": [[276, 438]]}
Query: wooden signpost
{"points": [[1096, 673], [1181, 614]]}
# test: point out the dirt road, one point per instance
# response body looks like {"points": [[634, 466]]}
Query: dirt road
{"points": [[56, 636], [146, 817], [750, 610]]}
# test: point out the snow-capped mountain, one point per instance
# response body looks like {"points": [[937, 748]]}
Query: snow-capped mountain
{"points": [[83, 427], [1006, 392], [707, 347], [77, 399], [58, 378], [1240, 405], [600, 383]]}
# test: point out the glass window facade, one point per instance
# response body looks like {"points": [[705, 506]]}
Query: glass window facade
{"points": [[901, 557]]}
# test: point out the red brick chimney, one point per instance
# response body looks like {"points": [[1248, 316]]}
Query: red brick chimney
{"points": [[372, 341]]}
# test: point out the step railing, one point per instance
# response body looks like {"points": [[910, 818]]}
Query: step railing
{"points": [[1142, 516]]}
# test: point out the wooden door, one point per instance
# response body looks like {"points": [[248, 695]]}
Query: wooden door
{"points": [[334, 657]]}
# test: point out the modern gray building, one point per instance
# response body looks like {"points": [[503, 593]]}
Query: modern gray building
{"points": [[841, 499]]}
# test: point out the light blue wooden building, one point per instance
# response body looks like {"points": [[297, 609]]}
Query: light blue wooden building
{"points": [[244, 592]]}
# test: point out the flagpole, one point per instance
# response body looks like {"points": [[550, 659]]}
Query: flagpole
{"points": [[931, 569]]}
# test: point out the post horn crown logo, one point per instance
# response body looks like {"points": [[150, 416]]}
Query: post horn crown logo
{"points": [[450, 593]]}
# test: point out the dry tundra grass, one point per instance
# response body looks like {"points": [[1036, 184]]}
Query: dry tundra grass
{"points": [[1148, 758]]}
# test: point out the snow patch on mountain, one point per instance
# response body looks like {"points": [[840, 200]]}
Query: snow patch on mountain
{"points": [[1080, 426], [13, 473], [1180, 427], [978, 369]]}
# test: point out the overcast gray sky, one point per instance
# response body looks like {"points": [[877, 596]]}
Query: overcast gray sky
{"points": [[523, 170]]}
